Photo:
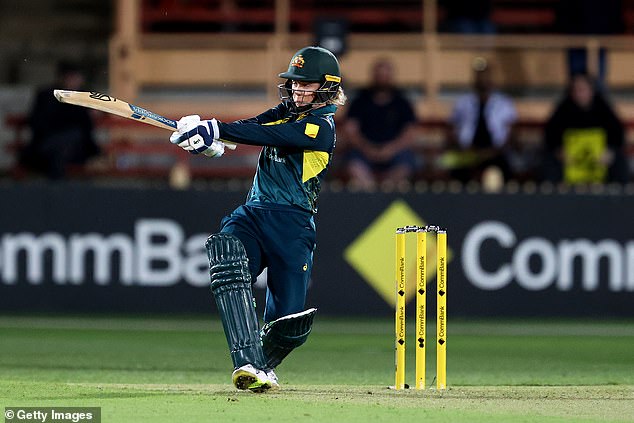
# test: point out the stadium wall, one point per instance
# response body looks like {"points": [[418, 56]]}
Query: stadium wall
{"points": [[78, 248]]}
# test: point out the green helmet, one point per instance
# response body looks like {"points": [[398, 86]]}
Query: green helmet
{"points": [[312, 64]]}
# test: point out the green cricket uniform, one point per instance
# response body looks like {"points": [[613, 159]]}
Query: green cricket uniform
{"points": [[275, 228], [276, 224]]}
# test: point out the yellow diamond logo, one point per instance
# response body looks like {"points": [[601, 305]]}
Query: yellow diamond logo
{"points": [[371, 254]]}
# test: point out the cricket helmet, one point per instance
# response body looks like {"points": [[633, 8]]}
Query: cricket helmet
{"points": [[311, 64]]}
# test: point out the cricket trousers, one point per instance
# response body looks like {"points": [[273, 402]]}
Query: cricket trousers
{"points": [[281, 239]]}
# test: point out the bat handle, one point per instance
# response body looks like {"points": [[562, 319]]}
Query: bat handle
{"points": [[230, 145]]}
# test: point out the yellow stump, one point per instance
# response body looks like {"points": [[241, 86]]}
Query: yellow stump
{"points": [[441, 313], [421, 298], [400, 310]]}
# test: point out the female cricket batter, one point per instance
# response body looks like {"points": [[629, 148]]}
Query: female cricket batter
{"points": [[275, 228]]}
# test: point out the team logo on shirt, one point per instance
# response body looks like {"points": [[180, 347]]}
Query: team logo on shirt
{"points": [[298, 61], [271, 153]]}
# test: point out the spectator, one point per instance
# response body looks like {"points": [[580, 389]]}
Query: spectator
{"points": [[589, 17], [584, 138], [467, 17], [481, 124], [379, 130], [61, 134]]}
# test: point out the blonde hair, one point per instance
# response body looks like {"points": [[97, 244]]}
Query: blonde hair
{"points": [[339, 99]]}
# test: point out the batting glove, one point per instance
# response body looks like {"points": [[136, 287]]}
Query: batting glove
{"points": [[196, 136]]}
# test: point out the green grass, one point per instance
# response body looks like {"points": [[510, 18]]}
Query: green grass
{"points": [[178, 369]]}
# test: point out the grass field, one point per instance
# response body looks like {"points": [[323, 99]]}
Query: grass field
{"points": [[178, 370]]}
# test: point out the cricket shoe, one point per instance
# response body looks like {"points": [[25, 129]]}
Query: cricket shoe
{"points": [[275, 384], [248, 377]]}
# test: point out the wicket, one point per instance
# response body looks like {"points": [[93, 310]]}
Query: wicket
{"points": [[421, 305]]}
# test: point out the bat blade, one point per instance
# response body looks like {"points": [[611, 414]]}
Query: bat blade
{"points": [[115, 106], [109, 104]]}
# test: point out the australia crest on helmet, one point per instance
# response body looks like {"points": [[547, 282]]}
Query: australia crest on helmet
{"points": [[297, 61]]}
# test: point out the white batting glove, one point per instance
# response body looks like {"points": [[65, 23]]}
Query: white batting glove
{"points": [[196, 136], [187, 123]]}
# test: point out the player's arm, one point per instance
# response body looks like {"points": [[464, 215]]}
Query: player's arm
{"points": [[271, 115], [313, 133], [206, 137], [202, 136]]}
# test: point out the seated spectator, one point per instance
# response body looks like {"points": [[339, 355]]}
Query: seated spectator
{"points": [[61, 134], [584, 138], [481, 124], [379, 131]]}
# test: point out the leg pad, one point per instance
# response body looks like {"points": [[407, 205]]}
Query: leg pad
{"points": [[231, 287], [283, 335]]}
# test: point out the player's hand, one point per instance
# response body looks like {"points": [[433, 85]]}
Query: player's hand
{"points": [[196, 136], [187, 123]]}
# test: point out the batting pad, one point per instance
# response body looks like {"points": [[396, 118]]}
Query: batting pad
{"points": [[283, 335], [231, 287]]}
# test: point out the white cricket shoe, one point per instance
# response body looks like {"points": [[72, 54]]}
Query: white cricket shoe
{"points": [[275, 384], [255, 380]]}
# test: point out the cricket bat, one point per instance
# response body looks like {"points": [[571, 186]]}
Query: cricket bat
{"points": [[109, 104]]}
